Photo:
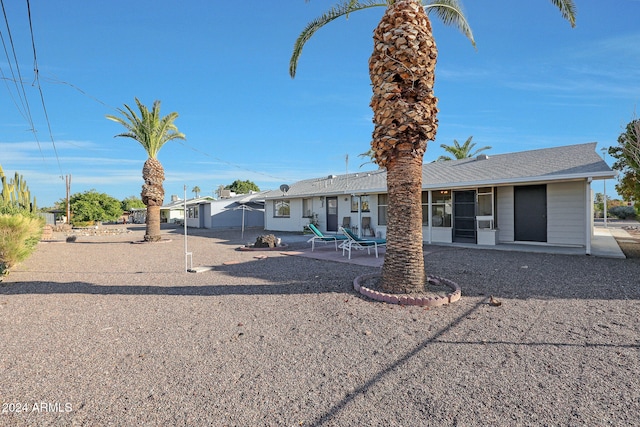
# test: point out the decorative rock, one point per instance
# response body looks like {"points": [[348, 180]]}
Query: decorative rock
{"points": [[266, 241]]}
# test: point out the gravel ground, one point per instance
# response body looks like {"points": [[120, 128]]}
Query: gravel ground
{"points": [[105, 332]]}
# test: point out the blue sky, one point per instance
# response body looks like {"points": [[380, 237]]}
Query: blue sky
{"points": [[533, 82]]}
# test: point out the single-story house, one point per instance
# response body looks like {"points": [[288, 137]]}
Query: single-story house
{"points": [[241, 211], [540, 196], [173, 212]]}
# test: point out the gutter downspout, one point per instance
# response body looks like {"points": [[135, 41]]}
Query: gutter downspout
{"points": [[589, 216]]}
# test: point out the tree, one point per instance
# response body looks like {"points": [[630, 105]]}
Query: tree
{"points": [[152, 132], [196, 190], [219, 190], [404, 106], [92, 206], [627, 155], [461, 151], [242, 187], [131, 202]]}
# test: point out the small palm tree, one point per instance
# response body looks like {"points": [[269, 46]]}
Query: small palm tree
{"points": [[196, 190], [402, 68], [461, 151], [152, 132]]}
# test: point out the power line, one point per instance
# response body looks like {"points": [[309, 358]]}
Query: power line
{"points": [[37, 80], [22, 94]]}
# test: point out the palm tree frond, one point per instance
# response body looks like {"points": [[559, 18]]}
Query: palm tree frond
{"points": [[150, 129], [342, 9], [450, 13], [567, 9]]}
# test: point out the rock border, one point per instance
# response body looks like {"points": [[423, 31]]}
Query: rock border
{"points": [[407, 299]]}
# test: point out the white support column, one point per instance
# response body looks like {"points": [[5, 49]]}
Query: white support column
{"points": [[589, 216], [429, 216]]}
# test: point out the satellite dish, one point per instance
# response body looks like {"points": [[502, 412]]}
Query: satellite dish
{"points": [[284, 188]]}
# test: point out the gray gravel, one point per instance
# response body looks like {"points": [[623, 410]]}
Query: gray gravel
{"points": [[105, 332]]}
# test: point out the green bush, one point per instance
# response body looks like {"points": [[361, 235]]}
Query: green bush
{"points": [[623, 212], [19, 235]]}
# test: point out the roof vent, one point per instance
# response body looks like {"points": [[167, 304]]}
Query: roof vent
{"points": [[332, 176], [482, 157]]}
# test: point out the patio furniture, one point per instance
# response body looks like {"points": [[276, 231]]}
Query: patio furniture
{"points": [[354, 242], [317, 235], [346, 223], [366, 226]]}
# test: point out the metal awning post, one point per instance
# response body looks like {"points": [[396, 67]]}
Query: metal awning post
{"points": [[359, 216], [188, 256]]}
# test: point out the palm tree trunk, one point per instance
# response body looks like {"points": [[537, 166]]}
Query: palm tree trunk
{"points": [[404, 113], [153, 197], [403, 269], [153, 224]]}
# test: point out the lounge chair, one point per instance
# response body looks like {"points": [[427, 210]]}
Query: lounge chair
{"points": [[354, 242], [317, 235]]}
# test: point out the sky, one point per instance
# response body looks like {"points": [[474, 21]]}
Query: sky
{"points": [[532, 82]]}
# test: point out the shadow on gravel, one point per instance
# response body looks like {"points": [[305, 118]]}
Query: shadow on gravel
{"points": [[45, 288], [392, 368]]}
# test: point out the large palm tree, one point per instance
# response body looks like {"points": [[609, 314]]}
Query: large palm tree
{"points": [[404, 106], [461, 151], [152, 132]]}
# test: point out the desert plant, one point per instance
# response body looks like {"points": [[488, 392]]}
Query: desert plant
{"points": [[15, 195], [623, 212], [19, 235]]}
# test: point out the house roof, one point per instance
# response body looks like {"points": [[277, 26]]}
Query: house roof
{"points": [[564, 163], [179, 204]]}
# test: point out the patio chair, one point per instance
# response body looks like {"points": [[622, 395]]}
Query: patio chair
{"points": [[354, 242], [366, 226], [317, 235]]}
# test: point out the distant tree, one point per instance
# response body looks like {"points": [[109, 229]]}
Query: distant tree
{"points": [[94, 206], [132, 202], [242, 187], [461, 151], [627, 155], [196, 190], [218, 190], [152, 132]]}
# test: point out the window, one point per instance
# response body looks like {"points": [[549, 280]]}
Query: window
{"points": [[425, 208], [441, 208], [307, 208], [485, 201], [192, 212], [364, 201], [281, 208], [485, 208], [383, 204]]}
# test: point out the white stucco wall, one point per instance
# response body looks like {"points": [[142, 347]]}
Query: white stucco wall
{"points": [[505, 216], [566, 219]]}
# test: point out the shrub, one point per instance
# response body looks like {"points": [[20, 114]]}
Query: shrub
{"points": [[623, 212], [19, 235]]}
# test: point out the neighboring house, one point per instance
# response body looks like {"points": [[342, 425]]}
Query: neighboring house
{"points": [[540, 196], [173, 212], [137, 216], [245, 210]]}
